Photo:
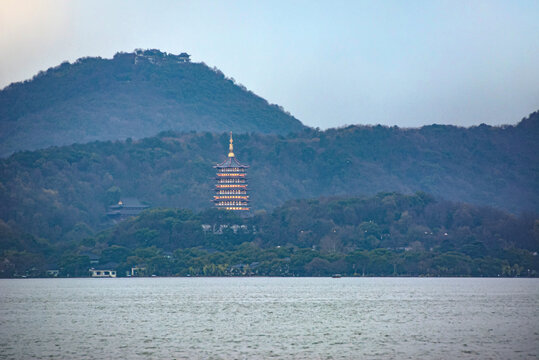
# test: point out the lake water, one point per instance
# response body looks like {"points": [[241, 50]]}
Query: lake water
{"points": [[255, 318]]}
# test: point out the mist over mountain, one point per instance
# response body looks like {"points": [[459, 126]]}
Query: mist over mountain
{"points": [[133, 95], [475, 191], [56, 192]]}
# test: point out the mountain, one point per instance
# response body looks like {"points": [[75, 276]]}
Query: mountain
{"points": [[61, 193], [132, 95]]}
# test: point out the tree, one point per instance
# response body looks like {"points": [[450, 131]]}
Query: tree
{"points": [[113, 195], [359, 260], [318, 267]]}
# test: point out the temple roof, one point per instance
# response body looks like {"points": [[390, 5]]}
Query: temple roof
{"points": [[128, 204], [231, 162]]}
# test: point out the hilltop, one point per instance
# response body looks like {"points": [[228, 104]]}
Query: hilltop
{"points": [[132, 95]]}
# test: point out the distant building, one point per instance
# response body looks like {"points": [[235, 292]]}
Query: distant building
{"points": [[138, 270], [184, 57], [125, 209], [231, 187], [218, 229], [53, 273], [52, 270], [103, 273]]}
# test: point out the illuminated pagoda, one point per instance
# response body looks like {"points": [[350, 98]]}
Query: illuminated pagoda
{"points": [[231, 187]]}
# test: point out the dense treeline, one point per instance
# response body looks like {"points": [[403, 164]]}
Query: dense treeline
{"points": [[132, 95], [61, 194], [54, 200], [388, 234]]}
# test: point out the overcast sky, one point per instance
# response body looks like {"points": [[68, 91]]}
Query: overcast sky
{"points": [[329, 63]]}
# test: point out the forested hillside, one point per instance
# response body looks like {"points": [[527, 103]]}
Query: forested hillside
{"points": [[61, 193], [133, 95], [388, 234]]}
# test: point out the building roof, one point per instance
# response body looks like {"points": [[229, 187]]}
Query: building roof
{"points": [[124, 212], [128, 203], [231, 162]]}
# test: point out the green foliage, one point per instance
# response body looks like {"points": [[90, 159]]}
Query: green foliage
{"points": [[48, 192], [369, 240], [133, 95], [114, 254], [351, 236], [113, 195], [74, 265], [60, 194]]}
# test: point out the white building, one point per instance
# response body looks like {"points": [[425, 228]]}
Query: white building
{"points": [[102, 273]]}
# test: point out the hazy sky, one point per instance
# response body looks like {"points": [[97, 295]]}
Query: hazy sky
{"points": [[329, 63]]}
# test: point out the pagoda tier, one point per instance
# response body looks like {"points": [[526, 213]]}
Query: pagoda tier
{"points": [[231, 183]]}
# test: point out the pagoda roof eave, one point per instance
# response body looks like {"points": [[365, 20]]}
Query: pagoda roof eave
{"points": [[230, 162]]}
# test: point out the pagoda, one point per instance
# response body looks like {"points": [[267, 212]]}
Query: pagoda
{"points": [[231, 186]]}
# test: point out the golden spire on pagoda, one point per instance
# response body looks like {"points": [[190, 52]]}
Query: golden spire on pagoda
{"points": [[231, 147]]}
